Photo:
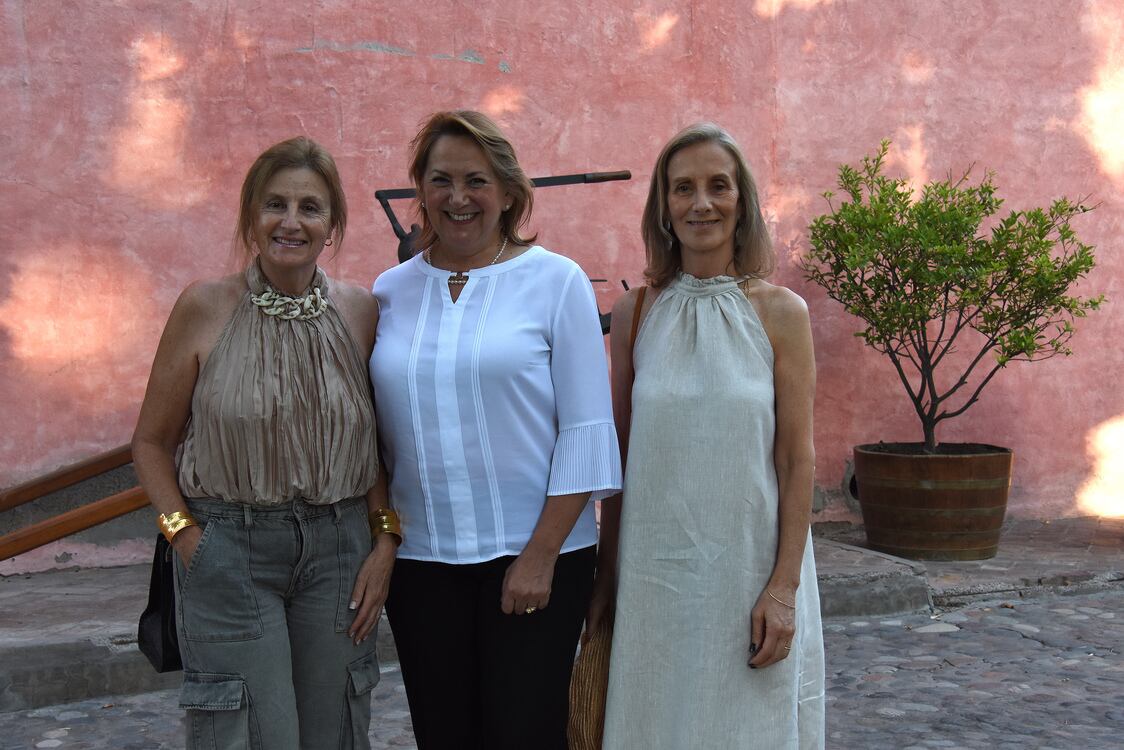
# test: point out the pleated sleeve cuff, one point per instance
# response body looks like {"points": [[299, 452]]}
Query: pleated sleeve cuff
{"points": [[586, 459]]}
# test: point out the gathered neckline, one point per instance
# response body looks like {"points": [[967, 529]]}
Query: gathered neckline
{"points": [[689, 284], [257, 282], [306, 306], [690, 280]]}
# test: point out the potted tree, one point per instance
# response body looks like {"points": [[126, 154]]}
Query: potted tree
{"points": [[951, 296]]}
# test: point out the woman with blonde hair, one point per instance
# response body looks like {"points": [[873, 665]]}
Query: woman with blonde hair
{"points": [[497, 429], [707, 560]]}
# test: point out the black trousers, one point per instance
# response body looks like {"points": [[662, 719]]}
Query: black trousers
{"points": [[475, 677]]}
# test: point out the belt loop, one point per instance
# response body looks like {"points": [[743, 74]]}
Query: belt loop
{"points": [[247, 516], [337, 512]]}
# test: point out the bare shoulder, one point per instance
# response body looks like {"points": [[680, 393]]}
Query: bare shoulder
{"points": [[624, 310], [209, 299], [198, 317], [783, 312], [359, 310], [354, 298], [776, 302], [625, 306]]}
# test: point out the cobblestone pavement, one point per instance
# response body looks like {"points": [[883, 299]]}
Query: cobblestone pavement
{"points": [[1042, 673], [151, 721]]}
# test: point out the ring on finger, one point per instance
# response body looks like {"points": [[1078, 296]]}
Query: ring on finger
{"points": [[529, 610], [788, 647]]}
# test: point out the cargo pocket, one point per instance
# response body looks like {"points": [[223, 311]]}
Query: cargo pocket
{"points": [[363, 675], [218, 714]]}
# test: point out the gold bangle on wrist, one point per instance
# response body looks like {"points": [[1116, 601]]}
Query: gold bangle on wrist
{"points": [[780, 601], [385, 521], [173, 523]]}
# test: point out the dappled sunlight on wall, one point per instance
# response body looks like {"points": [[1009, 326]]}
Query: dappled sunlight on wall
{"points": [[154, 59], [125, 158], [655, 30], [148, 149], [56, 317], [773, 8], [784, 208], [503, 100], [1103, 492], [1101, 122], [908, 153], [917, 68]]}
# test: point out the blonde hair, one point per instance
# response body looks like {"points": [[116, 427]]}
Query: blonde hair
{"points": [[500, 155], [753, 249]]}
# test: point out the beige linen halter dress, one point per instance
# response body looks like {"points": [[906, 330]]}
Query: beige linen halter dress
{"points": [[699, 540]]}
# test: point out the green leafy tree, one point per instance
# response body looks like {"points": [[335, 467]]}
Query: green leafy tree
{"points": [[923, 274]]}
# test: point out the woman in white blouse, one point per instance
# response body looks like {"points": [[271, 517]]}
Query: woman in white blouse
{"points": [[491, 388]]}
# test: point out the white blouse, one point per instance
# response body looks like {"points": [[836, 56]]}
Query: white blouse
{"points": [[488, 405]]}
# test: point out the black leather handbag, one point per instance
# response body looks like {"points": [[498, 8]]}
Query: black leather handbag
{"points": [[156, 631]]}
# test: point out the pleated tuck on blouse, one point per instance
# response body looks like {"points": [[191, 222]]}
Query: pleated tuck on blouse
{"points": [[281, 410]]}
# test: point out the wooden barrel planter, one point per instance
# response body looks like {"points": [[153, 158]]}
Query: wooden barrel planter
{"points": [[944, 506]]}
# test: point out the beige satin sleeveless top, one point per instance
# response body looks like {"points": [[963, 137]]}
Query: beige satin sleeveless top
{"points": [[281, 410]]}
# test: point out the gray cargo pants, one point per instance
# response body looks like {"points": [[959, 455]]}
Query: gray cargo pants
{"points": [[262, 615]]}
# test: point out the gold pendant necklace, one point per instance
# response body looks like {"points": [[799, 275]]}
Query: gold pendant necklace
{"points": [[460, 278]]}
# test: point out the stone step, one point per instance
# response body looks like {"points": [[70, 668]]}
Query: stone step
{"points": [[71, 635]]}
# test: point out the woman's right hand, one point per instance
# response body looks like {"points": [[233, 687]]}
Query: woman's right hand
{"points": [[602, 604], [185, 542]]}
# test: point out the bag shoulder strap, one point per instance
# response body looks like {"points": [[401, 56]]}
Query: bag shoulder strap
{"points": [[636, 317]]}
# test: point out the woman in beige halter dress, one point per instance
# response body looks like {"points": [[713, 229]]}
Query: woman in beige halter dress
{"points": [[717, 640], [256, 443]]}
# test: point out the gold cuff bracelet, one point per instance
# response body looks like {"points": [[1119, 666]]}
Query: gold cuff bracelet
{"points": [[173, 523], [385, 521]]}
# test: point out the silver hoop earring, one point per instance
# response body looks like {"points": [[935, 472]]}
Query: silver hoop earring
{"points": [[423, 204]]}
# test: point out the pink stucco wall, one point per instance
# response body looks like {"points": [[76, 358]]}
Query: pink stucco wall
{"points": [[129, 126]]}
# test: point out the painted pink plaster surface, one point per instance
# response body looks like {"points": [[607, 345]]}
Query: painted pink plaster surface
{"points": [[129, 126]]}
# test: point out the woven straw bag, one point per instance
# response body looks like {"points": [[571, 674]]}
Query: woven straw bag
{"points": [[588, 688]]}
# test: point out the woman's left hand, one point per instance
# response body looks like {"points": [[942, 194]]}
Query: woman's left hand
{"points": [[371, 587], [526, 585], [772, 626]]}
